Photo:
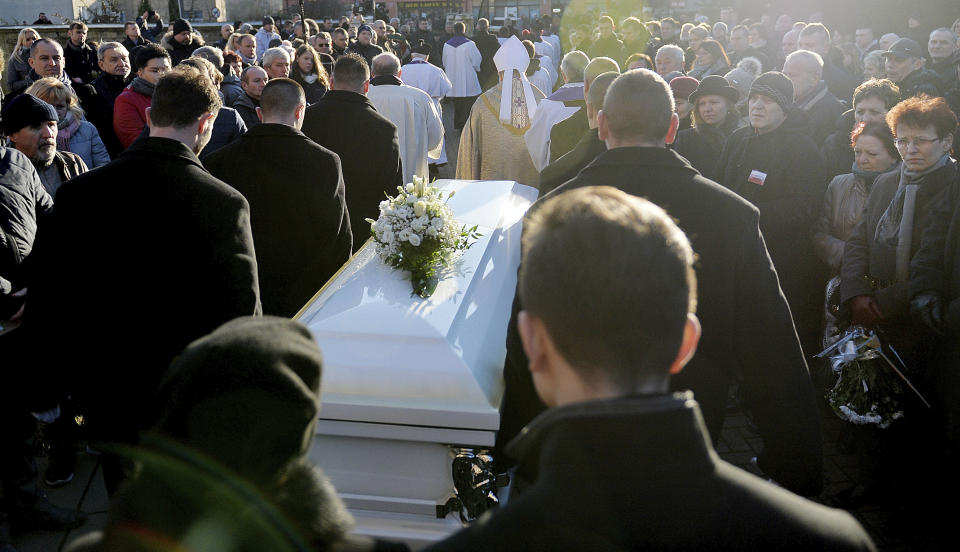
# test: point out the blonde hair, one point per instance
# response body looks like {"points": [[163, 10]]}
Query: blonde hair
{"points": [[53, 91], [233, 43], [20, 41]]}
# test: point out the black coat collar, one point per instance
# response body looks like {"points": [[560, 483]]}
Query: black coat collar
{"points": [[653, 434], [640, 156], [165, 147], [345, 96]]}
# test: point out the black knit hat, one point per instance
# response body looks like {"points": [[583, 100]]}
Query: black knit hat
{"points": [[26, 110], [715, 85], [776, 86], [422, 48], [181, 25]]}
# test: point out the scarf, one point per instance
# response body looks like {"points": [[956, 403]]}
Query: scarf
{"points": [[381, 80], [142, 86], [66, 127], [895, 228], [871, 175], [813, 97], [247, 60], [310, 78]]}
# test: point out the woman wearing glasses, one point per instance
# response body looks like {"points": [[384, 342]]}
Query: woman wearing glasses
{"points": [[876, 258]]}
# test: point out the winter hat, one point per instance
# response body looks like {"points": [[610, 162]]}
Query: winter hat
{"points": [[246, 395], [26, 110], [364, 27], [715, 85], [904, 48], [683, 86], [422, 48], [181, 25], [776, 86]]}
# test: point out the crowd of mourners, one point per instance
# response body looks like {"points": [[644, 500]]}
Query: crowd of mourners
{"points": [[166, 205]]}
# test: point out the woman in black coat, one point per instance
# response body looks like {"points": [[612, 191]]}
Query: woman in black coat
{"points": [[714, 120], [310, 74]]}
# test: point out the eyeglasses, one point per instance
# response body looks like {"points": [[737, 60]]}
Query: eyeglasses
{"points": [[916, 141]]}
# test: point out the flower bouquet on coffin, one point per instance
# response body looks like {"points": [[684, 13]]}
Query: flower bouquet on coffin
{"points": [[871, 379], [416, 232]]}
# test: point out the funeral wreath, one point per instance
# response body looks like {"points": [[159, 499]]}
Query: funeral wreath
{"points": [[416, 232]]}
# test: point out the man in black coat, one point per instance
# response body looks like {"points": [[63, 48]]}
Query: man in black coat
{"points": [[805, 70], [747, 326], [80, 56], [589, 146], [345, 122], [488, 45], [775, 165], [904, 65], [617, 462], [301, 229], [114, 62], [139, 258]]}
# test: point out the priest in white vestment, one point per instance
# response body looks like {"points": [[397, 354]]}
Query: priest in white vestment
{"points": [[420, 73], [491, 144], [461, 61], [419, 127]]}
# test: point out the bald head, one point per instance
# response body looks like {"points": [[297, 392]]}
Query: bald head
{"points": [[598, 89], [572, 66], [597, 67], [637, 110], [385, 64]]}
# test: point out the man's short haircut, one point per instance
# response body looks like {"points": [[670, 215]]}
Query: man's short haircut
{"points": [[606, 19], [281, 97], [202, 64], [78, 25], [385, 64], [945, 30], [674, 51], [210, 53], [350, 71], [813, 60], [272, 54], [598, 89], [738, 28], [150, 51], [639, 105], [129, 24], [669, 20], [816, 28], [459, 28], [181, 96], [573, 64], [341, 31], [700, 32], [885, 89], [107, 46], [36, 44], [597, 66], [631, 23], [244, 78], [584, 299], [922, 111]]}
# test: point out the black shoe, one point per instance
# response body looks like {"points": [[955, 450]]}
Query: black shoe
{"points": [[44, 515]]}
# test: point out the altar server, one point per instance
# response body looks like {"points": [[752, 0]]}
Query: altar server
{"points": [[461, 61], [422, 74]]}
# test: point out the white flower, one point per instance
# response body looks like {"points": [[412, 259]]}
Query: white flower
{"points": [[432, 232], [408, 188], [386, 236], [437, 222], [414, 239], [419, 208], [417, 224], [384, 205]]}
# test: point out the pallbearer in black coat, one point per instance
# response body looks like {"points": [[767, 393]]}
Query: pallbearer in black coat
{"points": [[589, 146], [140, 257], [746, 323], [345, 122], [616, 462], [301, 228]]}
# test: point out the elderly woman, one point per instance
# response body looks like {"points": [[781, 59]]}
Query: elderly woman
{"points": [[711, 60], [310, 73], [18, 68], [871, 102], [873, 65], [876, 259], [714, 120], [875, 154], [74, 133]]}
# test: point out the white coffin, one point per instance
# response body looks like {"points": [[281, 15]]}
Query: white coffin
{"points": [[406, 380]]}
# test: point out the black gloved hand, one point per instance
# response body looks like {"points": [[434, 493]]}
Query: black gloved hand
{"points": [[926, 308]]}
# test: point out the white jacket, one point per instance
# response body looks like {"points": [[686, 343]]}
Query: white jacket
{"points": [[419, 127], [461, 64]]}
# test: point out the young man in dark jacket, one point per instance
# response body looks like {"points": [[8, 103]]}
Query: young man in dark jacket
{"points": [[737, 283], [80, 55], [300, 223], [604, 332], [151, 237], [904, 64], [345, 122]]}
